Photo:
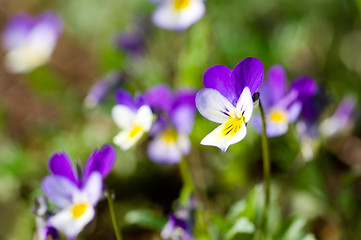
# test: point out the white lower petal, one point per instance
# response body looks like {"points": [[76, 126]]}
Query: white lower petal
{"points": [[71, 226], [161, 151], [219, 139], [126, 139], [123, 116], [167, 17], [245, 104]]}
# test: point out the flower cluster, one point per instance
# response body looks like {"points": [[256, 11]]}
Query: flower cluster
{"points": [[175, 116]]}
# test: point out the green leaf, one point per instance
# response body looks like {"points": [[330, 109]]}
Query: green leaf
{"points": [[145, 218]]}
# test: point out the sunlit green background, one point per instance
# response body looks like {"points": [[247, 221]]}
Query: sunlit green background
{"points": [[43, 112]]}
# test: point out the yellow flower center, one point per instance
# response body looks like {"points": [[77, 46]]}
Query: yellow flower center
{"points": [[79, 210], [170, 136], [278, 116], [232, 126], [135, 130], [181, 4]]}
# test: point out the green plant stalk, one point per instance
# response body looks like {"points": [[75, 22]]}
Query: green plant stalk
{"points": [[186, 174], [266, 174], [114, 216]]}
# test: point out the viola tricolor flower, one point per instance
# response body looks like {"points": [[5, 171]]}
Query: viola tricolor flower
{"points": [[29, 41], [178, 15], [133, 116], [75, 195], [282, 107], [175, 122], [180, 224], [227, 99], [341, 120]]}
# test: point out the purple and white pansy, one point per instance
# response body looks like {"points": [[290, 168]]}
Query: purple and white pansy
{"points": [[227, 99], [281, 107], [76, 196], [29, 41], [133, 116], [175, 122], [178, 15]]}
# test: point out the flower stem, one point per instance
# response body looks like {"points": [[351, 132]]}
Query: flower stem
{"points": [[114, 215], [189, 186], [266, 173]]}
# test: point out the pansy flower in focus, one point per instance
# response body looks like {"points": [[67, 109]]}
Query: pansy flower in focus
{"points": [[227, 99], [76, 195], [175, 122], [29, 41], [133, 116], [282, 107], [178, 15]]}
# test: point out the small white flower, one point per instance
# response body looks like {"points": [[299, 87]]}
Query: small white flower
{"points": [[178, 15], [133, 123]]}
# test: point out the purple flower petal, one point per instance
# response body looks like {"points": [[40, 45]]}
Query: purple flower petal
{"points": [[53, 21], [305, 86], [345, 109], [185, 97], [247, 73], [219, 77], [17, 30], [160, 97], [184, 106], [59, 190], [183, 119], [123, 97], [294, 111], [61, 165], [101, 161], [274, 88]]}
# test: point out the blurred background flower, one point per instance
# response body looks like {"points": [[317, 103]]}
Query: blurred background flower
{"points": [[30, 41]]}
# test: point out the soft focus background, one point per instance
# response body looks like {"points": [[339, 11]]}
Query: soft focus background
{"points": [[43, 111]]}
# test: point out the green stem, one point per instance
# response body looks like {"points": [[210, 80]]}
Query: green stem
{"points": [[186, 174], [266, 173], [114, 215]]}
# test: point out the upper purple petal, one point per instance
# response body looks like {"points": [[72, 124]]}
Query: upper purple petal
{"points": [[101, 161], [61, 165], [17, 30], [183, 118], [182, 115], [219, 77], [274, 88], [305, 86], [160, 97], [247, 73], [53, 21], [185, 97], [123, 97]]}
